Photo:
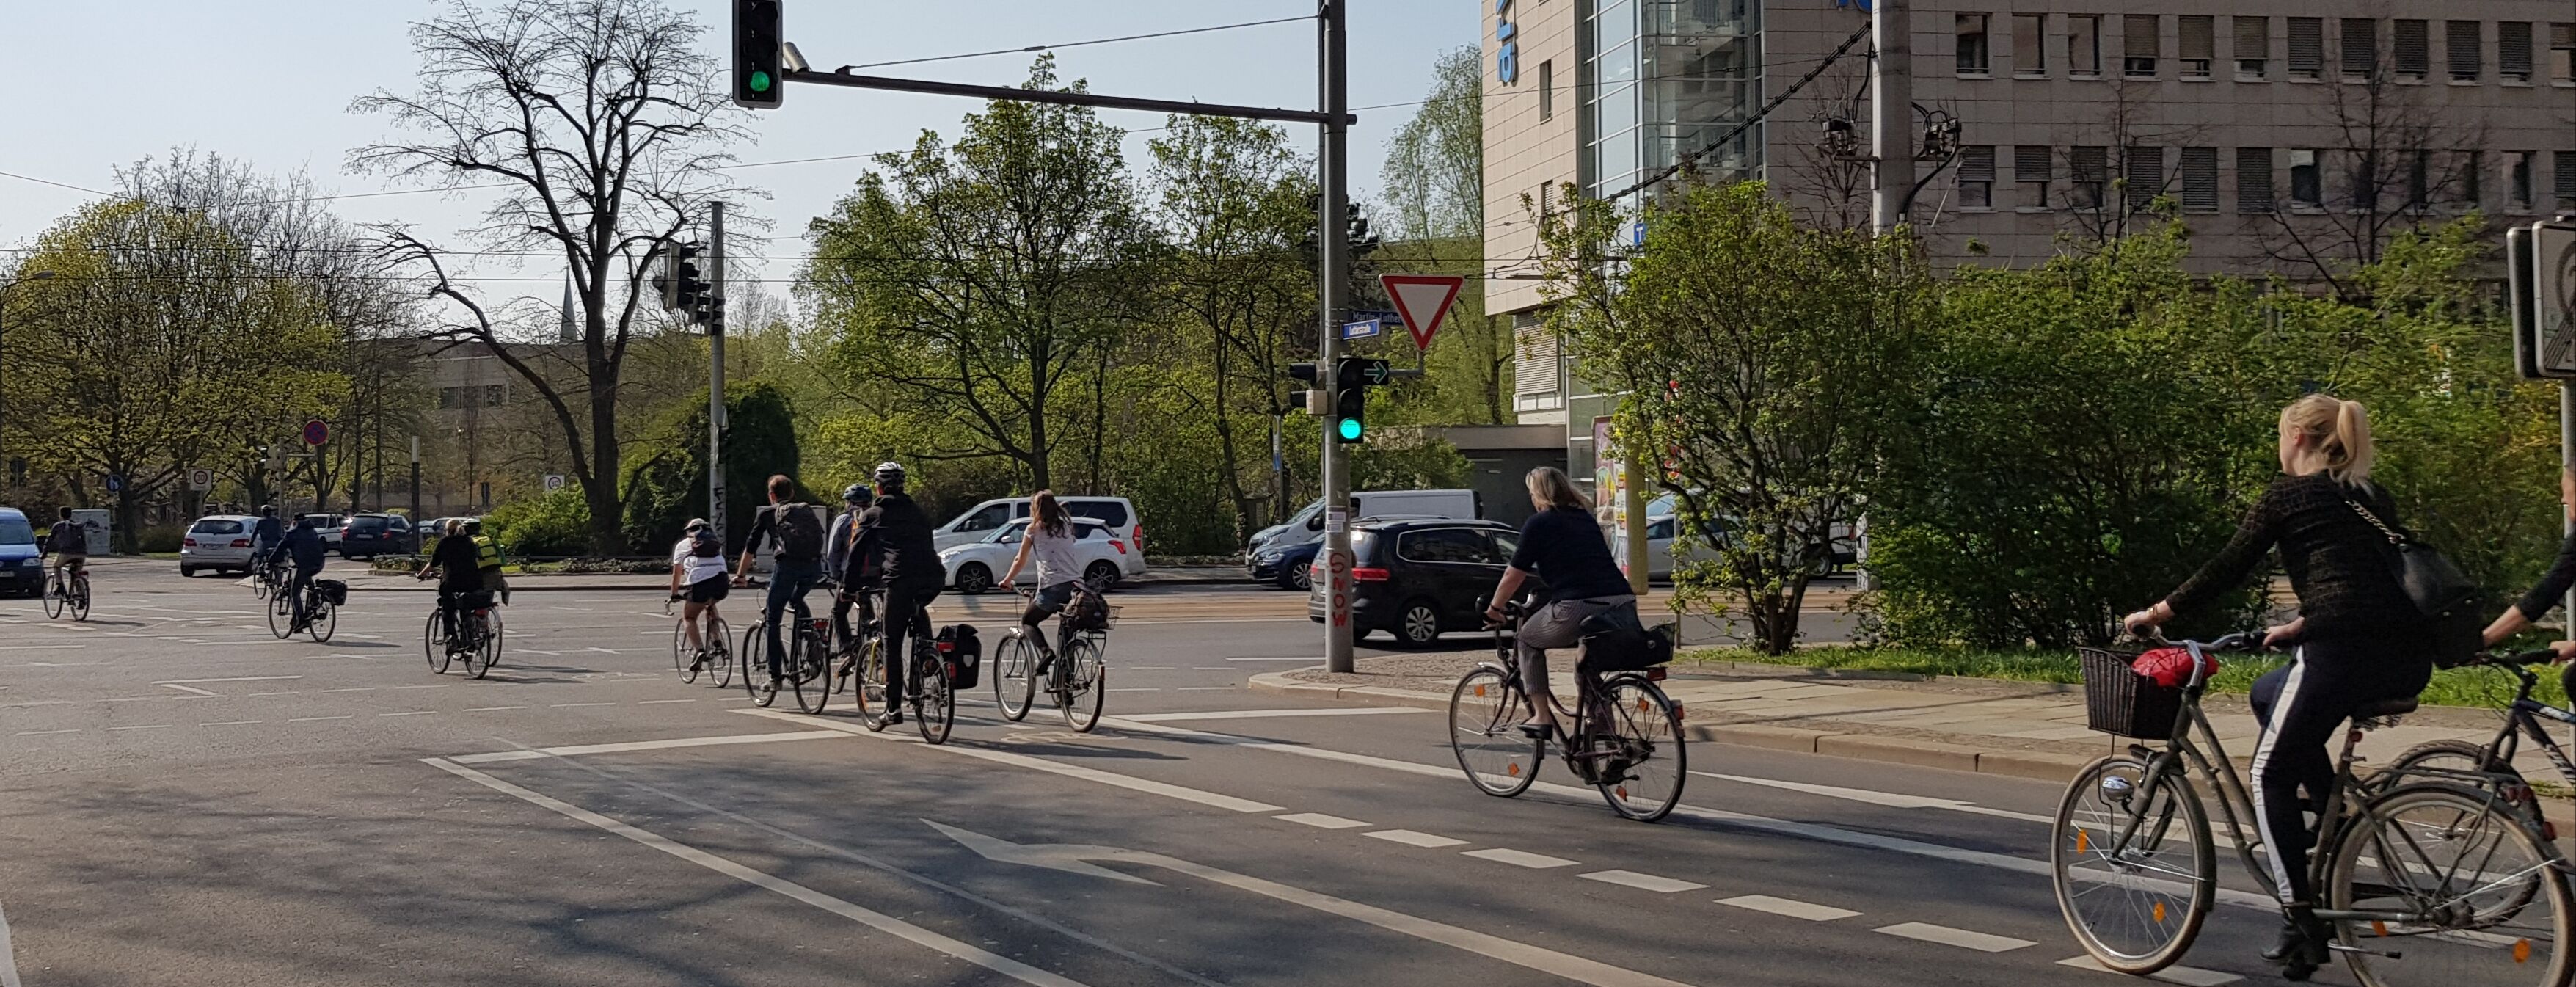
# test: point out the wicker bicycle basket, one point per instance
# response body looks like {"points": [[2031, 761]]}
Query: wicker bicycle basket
{"points": [[2118, 700]]}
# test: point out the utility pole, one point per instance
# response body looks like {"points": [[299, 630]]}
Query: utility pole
{"points": [[415, 491], [715, 376], [1332, 218], [1891, 113]]}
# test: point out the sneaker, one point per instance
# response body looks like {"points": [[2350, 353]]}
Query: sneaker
{"points": [[893, 717], [768, 691], [698, 661]]}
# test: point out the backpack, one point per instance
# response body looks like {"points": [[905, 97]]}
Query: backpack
{"points": [[705, 546], [799, 533]]}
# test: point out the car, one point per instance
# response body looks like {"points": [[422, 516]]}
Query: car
{"points": [[217, 543], [1366, 505], [1118, 514], [427, 534], [977, 567], [22, 562], [1419, 579], [1663, 556], [371, 535], [329, 525], [1284, 565]]}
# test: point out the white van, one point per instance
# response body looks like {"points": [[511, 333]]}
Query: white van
{"points": [[1308, 524], [1117, 514]]}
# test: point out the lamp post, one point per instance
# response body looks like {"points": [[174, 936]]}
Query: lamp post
{"points": [[4, 315]]}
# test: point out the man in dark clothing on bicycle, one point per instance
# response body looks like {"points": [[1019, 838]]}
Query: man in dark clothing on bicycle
{"points": [[853, 570], [896, 533], [794, 570], [303, 545]]}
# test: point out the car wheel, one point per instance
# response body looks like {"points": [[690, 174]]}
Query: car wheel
{"points": [[1103, 576], [1417, 625], [973, 578], [187, 571], [1301, 579]]}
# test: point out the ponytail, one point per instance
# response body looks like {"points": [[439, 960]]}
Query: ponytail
{"points": [[2338, 430]]}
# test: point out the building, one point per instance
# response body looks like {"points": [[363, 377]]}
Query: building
{"points": [[2285, 134]]}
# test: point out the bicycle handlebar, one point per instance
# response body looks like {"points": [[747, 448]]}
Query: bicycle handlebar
{"points": [[2536, 656], [2239, 641]]}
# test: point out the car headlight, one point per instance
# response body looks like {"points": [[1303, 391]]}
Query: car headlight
{"points": [[35, 563]]}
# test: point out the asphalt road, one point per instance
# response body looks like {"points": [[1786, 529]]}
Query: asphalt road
{"points": [[189, 801]]}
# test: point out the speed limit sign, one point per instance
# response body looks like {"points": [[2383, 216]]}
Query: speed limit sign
{"points": [[201, 479], [554, 482]]}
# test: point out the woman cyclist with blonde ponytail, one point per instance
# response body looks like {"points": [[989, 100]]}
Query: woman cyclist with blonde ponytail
{"points": [[2359, 639]]}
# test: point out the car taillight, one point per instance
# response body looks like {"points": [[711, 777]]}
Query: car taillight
{"points": [[1140, 537], [241, 543], [1119, 545], [188, 542], [1364, 574]]}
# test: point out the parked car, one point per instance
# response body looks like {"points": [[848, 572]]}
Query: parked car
{"points": [[329, 525], [217, 543], [1308, 523], [428, 533], [22, 564], [1118, 514], [1283, 563], [1419, 579], [371, 535], [1663, 556], [976, 567]]}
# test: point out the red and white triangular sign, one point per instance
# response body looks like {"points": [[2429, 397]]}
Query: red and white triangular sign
{"points": [[1423, 300]]}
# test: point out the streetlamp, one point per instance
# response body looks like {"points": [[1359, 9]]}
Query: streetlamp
{"points": [[4, 314]]}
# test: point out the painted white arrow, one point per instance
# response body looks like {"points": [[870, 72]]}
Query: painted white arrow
{"points": [[1072, 857]]}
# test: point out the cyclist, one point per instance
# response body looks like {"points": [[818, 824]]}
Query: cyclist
{"points": [[896, 533], [854, 573], [458, 576], [797, 566], [1050, 538], [266, 533], [2359, 638], [2552, 588], [69, 540], [304, 546], [1561, 546], [487, 560], [698, 576]]}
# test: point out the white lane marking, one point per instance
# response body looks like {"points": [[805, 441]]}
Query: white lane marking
{"points": [[1520, 858], [416, 687], [533, 651], [1792, 908], [1947, 936], [645, 745], [1247, 714], [156, 726], [1642, 882], [1136, 689], [1320, 820], [657, 702], [1893, 800], [492, 709], [256, 695], [318, 719], [2188, 976], [240, 678], [572, 705], [1149, 668], [879, 921], [1210, 668], [423, 712], [231, 723], [187, 689], [1411, 838], [1185, 794], [8, 955], [41, 647], [42, 733], [1205, 688], [1310, 658], [354, 688]]}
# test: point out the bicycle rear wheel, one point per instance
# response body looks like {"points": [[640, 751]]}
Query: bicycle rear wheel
{"points": [[809, 674], [433, 644], [718, 637], [1643, 760], [80, 597], [2496, 909], [684, 659], [1015, 675], [483, 658], [871, 676], [932, 697], [324, 619], [2135, 907], [1086, 686], [1485, 715], [281, 615]]}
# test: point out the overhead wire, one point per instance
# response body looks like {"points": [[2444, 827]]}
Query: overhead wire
{"points": [[1078, 44]]}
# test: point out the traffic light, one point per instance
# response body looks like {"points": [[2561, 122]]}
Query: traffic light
{"points": [[758, 80], [1352, 377], [686, 289], [1311, 398]]}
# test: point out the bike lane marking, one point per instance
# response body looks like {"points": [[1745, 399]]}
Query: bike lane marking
{"points": [[8, 955], [1962, 938]]}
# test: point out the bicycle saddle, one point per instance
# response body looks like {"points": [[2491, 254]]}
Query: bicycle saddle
{"points": [[2384, 708]]}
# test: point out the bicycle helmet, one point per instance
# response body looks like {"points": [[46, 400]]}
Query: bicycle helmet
{"points": [[267, 511], [890, 473], [857, 495]]}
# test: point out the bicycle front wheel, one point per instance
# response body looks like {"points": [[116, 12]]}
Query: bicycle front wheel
{"points": [[2482, 898], [433, 644], [755, 665], [1641, 758], [325, 619], [718, 637], [934, 700], [684, 659], [54, 598], [1485, 715], [1086, 687], [483, 658], [2134, 903], [1015, 675], [871, 687], [281, 615]]}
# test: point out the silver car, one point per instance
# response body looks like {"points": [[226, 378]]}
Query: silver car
{"points": [[217, 543]]}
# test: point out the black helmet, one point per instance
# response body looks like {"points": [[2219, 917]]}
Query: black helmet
{"points": [[267, 511], [890, 474], [857, 494]]}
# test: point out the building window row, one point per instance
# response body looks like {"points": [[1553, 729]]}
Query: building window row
{"points": [[2366, 47], [2051, 178]]}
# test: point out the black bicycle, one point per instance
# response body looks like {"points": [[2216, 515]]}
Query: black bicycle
{"points": [[2491, 765], [321, 612], [1077, 680], [929, 690], [477, 638], [804, 673], [68, 593], [1626, 739]]}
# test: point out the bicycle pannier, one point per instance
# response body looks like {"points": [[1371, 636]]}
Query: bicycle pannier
{"points": [[1613, 646], [964, 652], [333, 590]]}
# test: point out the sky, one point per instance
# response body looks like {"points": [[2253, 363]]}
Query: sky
{"points": [[89, 86]]}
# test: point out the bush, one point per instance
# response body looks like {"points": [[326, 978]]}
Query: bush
{"points": [[553, 525], [158, 540], [667, 489]]}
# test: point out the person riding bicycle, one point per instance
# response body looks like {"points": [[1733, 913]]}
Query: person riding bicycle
{"points": [[2553, 586], [266, 532], [487, 560], [796, 567], [2358, 638], [853, 573], [1563, 547], [698, 576], [304, 546], [1050, 539], [69, 541], [896, 533], [459, 578]]}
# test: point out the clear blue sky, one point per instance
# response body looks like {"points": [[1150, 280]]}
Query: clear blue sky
{"points": [[92, 85]]}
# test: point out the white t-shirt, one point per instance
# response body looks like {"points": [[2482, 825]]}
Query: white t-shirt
{"points": [[695, 568], [1057, 560]]}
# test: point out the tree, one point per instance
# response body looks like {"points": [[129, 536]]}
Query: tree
{"points": [[600, 123], [666, 489], [1435, 193], [976, 282], [2393, 157]]}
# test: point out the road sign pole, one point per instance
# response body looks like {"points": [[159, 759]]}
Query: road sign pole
{"points": [[715, 378], [1332, 214], [415, 490]]}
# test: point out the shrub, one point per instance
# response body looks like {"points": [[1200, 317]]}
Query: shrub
{"points": [[162, 539], [556, 524]]}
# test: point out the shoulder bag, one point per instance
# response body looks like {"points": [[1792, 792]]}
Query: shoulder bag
{"points": [[2440, 591]]}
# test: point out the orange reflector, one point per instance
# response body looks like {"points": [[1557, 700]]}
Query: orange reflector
{"points": [[2378, 928], [1641, 705], [1513, 770], [2522, 950], [1480, 690], [2081, 841], [1622, 790], [2160, 912]]}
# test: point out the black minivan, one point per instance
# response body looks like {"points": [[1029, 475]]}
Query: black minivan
{"points": [[1418, 579], [371, 535]]}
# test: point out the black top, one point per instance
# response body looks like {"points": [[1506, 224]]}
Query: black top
{"points": [[764, 524], [68, 538], [456, 563], [304, 545], [896, 533], [1563, 547], [2553, 587], [266, 531], [2338, 563]]}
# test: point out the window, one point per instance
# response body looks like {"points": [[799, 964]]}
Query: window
{"points": [[2414, 50], [216, 526], [2472, 180], [1109, 512], [2140, 45], [2254, 180], [2084, 45], [2517, 180], [2145, 171], [2200, 179], [2199, 45], [2307, 48], [2360, 49], [1977, 177], [2562, 54], [2031, 168], [1443, 545], [990, 517], [1973, 58], [2030, 45], [2513, 50], [1546, 91], [2563, 182], [2089, 167], [483, 396], [2419, 180], [2307, 190], [2253, 46], [2466, 49], [2365, 182]]}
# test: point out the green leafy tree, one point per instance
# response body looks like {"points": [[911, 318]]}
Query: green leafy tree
{"points": [[666, 489], [1435, 198]]}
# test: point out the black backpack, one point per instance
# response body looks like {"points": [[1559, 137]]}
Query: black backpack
{"points": [[704, 545], [800, 533]]}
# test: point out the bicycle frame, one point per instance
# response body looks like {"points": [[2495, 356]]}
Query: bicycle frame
{"points": [[1587, 689]]}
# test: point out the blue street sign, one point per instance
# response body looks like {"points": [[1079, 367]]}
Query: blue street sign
{"points": [[1363, 329], [115, 483], [1389, 316]]}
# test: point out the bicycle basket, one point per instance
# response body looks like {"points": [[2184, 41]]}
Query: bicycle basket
{"points": [[333, 590], [2120, 701]]}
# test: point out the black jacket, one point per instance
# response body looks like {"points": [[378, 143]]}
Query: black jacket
{"points": [[897, 534], [2338, 562], [304, 545]]}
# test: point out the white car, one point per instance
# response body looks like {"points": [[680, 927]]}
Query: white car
{"points": [[978, 523], [976, 567], [329, 526], [217, 542]]}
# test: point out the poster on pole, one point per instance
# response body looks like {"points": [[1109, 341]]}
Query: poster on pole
{"points": [[1422, 300]]}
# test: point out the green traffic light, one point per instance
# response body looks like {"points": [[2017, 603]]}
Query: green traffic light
{"points": [[1350, 429], [760, 82]]}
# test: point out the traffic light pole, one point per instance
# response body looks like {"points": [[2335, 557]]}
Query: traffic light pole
{"points": [[1332, 212], [715, 376]]}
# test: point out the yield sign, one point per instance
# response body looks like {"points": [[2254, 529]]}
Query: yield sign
{"points": [[1423, 300]]}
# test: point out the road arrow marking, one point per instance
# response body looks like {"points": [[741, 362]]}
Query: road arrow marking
{"points": [[1063, 856], [8, 956]]}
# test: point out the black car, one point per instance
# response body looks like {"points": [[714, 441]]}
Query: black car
{"points": [[371, 535], [1418, 579]]}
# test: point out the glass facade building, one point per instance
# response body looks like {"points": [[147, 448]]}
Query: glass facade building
{"points": [[1665, 78]]}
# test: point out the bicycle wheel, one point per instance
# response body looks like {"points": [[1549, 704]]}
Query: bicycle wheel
{"points": [[755, 665], [281, 615], [871, 674], [54, 598], [1085, 687], [2495, 908], [2460, 762], [433, 644], [323, 620], [718, 637], [489, 654], [1015, 683], [932, 697], [684, 659], [1485, 715], [807, 673], [80, 597], [2137, 906], [1643, 760]]}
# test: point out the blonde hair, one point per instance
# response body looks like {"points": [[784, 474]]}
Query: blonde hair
{"points": [[2337, 429], [1550, 487], [455, 526]]}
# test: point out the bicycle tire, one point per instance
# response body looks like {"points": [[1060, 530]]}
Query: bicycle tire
{"points": [[683, 660], [2166, 936], [2453, 760], [871, 675], [1485, 715], [934, 699], [281, 616], [482, 658], [80, 597], [718, 637], [433, 645], [755, 663], [2491, 939], [323, 620], [55, 596], [1015, 686], [1086, 685], [810, 677], [1644, 779]]}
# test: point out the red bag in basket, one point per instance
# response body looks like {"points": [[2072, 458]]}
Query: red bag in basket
{"points": [[2171, 667]]}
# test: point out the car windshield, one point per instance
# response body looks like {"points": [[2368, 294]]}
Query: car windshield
{"points": [[16, 531]]}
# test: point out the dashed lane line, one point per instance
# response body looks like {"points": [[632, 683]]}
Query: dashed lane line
{"points": [[1320, 820], [417, 712], [1520, 858], [574, 705], [2187, 976], [657, 702], [1788, 907], [318, 719], [156, 726], [1947, 936], [231, 723], [492, 709], [1642, 882], [1412, 838], [43, 733]]}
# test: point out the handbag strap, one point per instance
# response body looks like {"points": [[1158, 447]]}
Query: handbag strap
{"points": [[2393, 537]]}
